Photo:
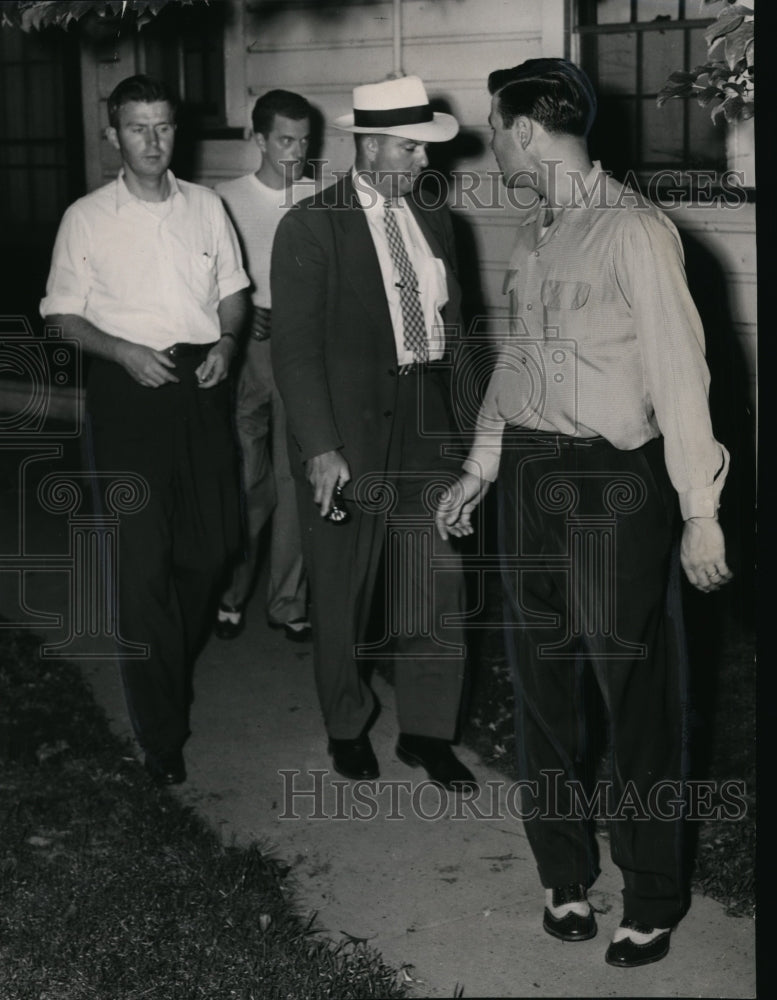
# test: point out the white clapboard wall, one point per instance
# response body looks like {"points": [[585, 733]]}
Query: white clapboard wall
{"points": [[323, 50]]}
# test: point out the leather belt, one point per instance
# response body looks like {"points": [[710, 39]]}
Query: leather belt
{"points": [[554, 437], [188, 350]]}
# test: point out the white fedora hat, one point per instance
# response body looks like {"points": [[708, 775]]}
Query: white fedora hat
{"points": [[397, 107]]}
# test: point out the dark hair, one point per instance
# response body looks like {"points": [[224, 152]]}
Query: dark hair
{"points": [[144, 89], [278, 102], [553, 92]]}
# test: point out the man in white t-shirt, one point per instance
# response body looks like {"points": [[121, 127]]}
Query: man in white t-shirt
{"points": [[256, 204]]}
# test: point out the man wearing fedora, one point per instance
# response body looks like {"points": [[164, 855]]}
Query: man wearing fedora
{"points": [[364, 289]]}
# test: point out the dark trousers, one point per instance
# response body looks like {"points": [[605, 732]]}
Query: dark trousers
{"points": [[172, 552], [389, 509], [591, 578]]}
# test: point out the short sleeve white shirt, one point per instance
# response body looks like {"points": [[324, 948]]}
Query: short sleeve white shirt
{"points": [[152, 273]]}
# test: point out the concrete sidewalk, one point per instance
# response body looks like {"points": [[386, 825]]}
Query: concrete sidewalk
{"points": [[450, 898]]}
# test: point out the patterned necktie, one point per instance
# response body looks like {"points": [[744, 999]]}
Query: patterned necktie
{"points": [[412, 314]]}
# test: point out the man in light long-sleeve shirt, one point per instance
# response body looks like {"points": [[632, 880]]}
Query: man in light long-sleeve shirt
{"points": [[146, 273], [596, 421]]}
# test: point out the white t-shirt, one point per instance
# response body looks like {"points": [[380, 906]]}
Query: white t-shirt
{"points": [[256, 210]]}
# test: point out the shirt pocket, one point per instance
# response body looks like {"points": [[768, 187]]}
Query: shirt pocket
{"points": [[564, 294], [202, 277]]}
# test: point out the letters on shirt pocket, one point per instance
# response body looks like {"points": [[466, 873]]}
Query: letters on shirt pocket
{"points": [[564, 294]]}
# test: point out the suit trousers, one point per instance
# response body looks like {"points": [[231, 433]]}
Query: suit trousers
{"points": [[268, 491], [173, 551], [588, 537], [391, 516]]}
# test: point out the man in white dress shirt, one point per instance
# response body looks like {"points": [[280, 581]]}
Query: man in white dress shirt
{"points": [[146, 273]]}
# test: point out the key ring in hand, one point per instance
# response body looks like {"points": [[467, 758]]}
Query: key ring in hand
{"points": [[337, 513]]}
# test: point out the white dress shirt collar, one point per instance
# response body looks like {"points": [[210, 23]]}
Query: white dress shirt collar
{"points": [[125, 197]]}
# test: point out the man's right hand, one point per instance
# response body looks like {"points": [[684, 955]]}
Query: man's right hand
{"points": [[324, 472], [148, 367], [454, 511]]}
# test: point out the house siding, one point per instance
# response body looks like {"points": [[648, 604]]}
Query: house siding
{"points": [[324, 50]]}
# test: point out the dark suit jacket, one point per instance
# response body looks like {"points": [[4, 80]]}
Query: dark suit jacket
{"points": [[333, 349]]}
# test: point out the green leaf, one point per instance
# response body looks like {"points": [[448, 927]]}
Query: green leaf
{"points": [[707, 95], [36, 16], [732, 108], [726, 21], [737, 42], [670, 91], [717, 111]]}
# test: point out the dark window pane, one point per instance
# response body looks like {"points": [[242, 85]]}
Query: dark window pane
{"points": [[190, 38], [707, 140], [15, 118], [698, 48], [649, 10], [697, 8], [617, 63], [662, 54], [613, 137], [613, 11], [662, 132]]}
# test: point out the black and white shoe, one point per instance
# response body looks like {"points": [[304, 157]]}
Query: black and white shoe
{"points": [[636, 944], [568, 915], [229, 622]]}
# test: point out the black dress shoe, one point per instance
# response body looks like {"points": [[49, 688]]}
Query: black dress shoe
{"points": [[572, 926], [437, 759], [225, 628], [166, 768], [626, 954], [354, 758]]}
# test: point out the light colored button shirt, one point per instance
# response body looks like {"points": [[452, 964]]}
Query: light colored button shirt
{"points": [[430, 270], [150, 272], [604, 339], [256, 210]]}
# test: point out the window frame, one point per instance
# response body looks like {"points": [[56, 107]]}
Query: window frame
{"points": [[706, 182]]}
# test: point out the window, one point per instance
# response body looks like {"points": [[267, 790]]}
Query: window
{"points": [[184, 47], [41, 154], [629, 48]]}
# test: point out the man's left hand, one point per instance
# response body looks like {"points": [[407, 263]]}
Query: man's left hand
{"points": [[215, 367], [703, 554]]}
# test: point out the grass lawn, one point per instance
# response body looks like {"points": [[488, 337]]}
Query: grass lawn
{"points": [[112, 890]]}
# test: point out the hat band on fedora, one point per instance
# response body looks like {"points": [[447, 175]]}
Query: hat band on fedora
{"points": [[416, 115]]}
